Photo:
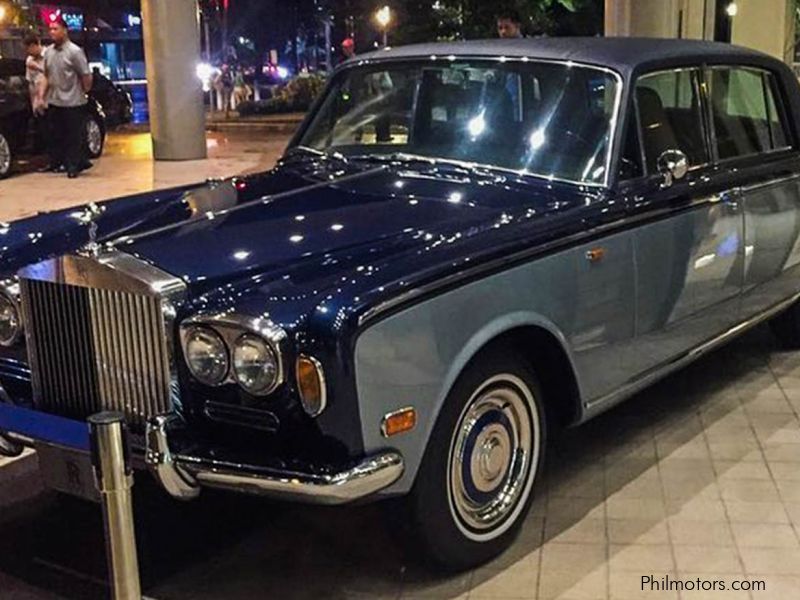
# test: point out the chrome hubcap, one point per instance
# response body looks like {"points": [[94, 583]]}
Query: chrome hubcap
{"points": [[493, 457], [5, 155], [94, 136]]}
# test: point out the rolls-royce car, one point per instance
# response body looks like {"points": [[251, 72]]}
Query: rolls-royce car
{"points": [[466, 246]]}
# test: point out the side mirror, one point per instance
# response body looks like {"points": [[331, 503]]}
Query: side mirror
{"points": [[673, 165]]}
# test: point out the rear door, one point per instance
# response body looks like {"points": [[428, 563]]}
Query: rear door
{"points": [[754, 148], [688, 247]]}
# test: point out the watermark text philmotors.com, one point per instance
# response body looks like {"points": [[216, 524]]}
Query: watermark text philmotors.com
{"points": [[666, 583]]}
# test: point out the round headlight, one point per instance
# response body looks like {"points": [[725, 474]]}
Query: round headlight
{"points": [[206, 355], [256, 365], [10, 323]]}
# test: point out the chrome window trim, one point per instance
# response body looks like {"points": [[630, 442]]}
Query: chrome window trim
{"points": [[231, 327], [613, 119]]}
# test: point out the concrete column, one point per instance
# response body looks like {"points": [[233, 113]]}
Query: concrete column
{"points": [[172, 50], [766, 25]]}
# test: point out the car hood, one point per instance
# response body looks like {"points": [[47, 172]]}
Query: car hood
{"points": [[295, 234], [352, 218]]}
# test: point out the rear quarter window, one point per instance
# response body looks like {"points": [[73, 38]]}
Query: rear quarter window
{"points": [[746, 112]]}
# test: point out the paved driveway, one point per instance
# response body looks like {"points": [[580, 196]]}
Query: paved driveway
{"points": [[697, 477]]}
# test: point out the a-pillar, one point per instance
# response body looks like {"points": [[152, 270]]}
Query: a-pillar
{"points": [[174, 92]]}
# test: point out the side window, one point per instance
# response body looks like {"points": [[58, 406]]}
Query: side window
{"points": [[671, 116], [745, 112]]}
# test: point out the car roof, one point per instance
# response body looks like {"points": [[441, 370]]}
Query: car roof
{"points": [[623, 54]]}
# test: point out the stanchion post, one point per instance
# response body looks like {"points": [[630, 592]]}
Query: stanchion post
{"points": [[114, 479]]}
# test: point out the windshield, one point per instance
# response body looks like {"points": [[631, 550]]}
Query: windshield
{"points": [[547, 119]]}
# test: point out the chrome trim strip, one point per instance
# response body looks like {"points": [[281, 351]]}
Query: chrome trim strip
{"points": [[771, 182], [593, 407], [183, 475]]}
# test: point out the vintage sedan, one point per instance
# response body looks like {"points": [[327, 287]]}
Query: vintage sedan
{"points": [[465, 246]]}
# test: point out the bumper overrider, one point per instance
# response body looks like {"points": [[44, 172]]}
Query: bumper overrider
{"points": [[184, 475]]}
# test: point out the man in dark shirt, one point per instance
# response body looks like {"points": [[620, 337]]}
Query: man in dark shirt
{"points": [[509, 25]]}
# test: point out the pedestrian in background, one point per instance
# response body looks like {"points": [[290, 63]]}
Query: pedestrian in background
{"points": [[223, 84], [68, 79], [509, 25], [34, 75], [348, 48]]}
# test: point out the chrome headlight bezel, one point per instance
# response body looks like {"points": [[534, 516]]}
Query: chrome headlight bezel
{"points": [[9, 292], [223, 350], [232, 327], [271, 356]]}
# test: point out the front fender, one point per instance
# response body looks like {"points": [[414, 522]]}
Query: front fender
{"points": [[413, 359]]}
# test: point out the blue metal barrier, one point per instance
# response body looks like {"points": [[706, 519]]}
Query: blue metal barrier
{"points": [[42, 427]]}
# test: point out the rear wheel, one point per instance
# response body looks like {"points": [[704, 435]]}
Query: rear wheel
{"points": [[95, 137], [6, 157], [475, 483]]}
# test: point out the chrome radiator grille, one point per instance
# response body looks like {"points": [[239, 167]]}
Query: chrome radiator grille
{"points": [[96, 349]]}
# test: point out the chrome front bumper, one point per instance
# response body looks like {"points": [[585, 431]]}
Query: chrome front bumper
{"points": [[183, 476]]}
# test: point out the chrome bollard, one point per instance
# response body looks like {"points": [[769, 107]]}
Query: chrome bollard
{"points": [[114, 479]]}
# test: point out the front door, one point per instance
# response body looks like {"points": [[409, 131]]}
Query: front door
{"points": [[689, 246]]}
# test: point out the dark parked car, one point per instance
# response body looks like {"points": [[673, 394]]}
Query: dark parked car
{"points": [[465, 246], [18, 136], [116, 102]]}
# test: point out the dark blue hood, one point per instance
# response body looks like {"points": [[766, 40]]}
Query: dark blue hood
{"points": [[290, 240]]}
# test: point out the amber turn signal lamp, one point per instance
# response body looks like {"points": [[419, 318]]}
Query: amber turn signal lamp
{"points": [[399, 421], [311, 385]]}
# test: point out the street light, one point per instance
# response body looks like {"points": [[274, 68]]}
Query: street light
{"points": [[3, 13], [384, 18], [732, 9]]}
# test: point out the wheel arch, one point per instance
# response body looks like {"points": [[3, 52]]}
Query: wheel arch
{"points": [[543, 347]]}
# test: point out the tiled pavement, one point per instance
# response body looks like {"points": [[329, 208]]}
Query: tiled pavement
{"points": [[697, 477]]}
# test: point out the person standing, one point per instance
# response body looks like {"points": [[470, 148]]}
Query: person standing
{"points": [[69, 80], [509, 25], [34, 75], [348, 49]]}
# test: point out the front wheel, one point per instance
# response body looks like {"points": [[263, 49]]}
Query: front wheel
{"points": [[474, 486], [95, 136], [6, 157]]}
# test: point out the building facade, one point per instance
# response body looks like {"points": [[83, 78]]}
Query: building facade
{"points": [[766, 25]]}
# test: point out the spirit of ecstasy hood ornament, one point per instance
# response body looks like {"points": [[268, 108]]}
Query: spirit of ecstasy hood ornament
{"points": [[87, 217]]}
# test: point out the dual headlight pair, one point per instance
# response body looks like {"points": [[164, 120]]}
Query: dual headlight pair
{"points": [[219, 355], [249, 353]]}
